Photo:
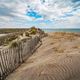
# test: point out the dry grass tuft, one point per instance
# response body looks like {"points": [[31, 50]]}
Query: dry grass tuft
{"points": [[59, 50], [76, 47], [64, 35]]}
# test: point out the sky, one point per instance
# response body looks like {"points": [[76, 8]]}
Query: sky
{"points": [[40, 13]]}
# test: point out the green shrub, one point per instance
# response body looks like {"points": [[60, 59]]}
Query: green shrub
{"points": [[33, 31]]}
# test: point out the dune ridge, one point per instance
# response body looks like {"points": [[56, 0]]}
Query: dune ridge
{"points": [[57, 59]]}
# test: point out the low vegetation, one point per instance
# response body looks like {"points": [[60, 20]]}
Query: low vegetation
{"points": [[18, 35], [12, 30], [62, 41], [33, 30], [64, 35]]}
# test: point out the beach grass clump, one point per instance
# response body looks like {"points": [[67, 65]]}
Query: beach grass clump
{"points": [[7, 39], [70, 36], [58, 35], [27, 34], [18, 41], [59, 50], [20, 35], [25, 39], [33, 30], [76, 47], [12, 37], [64, 35], [14, 43]]}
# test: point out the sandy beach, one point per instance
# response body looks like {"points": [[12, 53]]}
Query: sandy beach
{"points": [[58, 58]]}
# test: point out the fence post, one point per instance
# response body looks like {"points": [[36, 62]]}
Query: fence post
{"points": [[20, 53], [2, 67], [11, 58]]}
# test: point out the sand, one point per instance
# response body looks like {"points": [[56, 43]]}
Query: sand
{"points": [[58, 58]]}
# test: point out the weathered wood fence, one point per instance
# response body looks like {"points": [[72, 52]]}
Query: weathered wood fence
{"points": [[11, 58]]}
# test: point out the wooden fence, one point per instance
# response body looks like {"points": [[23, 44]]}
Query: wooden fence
{"points": [[11, 58]]}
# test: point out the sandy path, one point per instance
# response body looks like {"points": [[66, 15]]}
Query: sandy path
{"points": [[56, 59]]}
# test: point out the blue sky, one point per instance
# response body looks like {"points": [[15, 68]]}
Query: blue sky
{"points": [[40, 13]]}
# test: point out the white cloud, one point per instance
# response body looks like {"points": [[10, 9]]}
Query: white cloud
{"points": [[50, 9], [53, 10], [74, 20], [3, 18], [16, 8]]}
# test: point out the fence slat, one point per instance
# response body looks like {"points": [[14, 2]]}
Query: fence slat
{"points": [[11, 58]]}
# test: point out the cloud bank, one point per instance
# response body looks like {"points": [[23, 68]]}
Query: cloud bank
{"points": [[41, 13]]}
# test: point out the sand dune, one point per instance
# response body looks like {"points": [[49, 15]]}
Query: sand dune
{"points": [[57, 59]]}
